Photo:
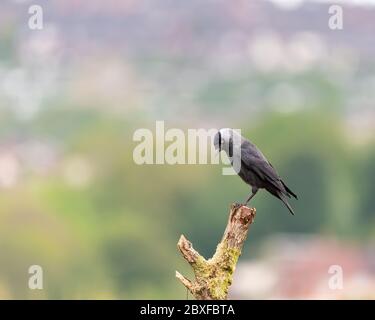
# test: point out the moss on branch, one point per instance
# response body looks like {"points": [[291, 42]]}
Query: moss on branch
{"points": [[213, 277]]}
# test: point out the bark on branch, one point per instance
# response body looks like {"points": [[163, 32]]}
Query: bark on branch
{"points": [[214, 276]]}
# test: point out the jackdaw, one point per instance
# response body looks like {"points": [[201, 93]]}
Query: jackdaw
{"points": [[254, 168]]}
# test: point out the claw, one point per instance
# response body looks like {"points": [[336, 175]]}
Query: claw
{"points": [[238, 205]]}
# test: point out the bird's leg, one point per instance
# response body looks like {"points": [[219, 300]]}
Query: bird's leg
{"points": [[254, 192]]}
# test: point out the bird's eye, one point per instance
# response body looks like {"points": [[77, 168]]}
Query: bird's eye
{"points": [[219, 141], [230, 148]]}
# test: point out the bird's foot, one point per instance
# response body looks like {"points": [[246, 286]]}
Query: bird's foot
{"points": [[238, 205]]}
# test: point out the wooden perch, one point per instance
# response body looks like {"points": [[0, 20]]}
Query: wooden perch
{"points": [[214, 276]]}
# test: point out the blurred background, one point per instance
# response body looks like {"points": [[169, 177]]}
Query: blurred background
{"points": [[73, 201]]}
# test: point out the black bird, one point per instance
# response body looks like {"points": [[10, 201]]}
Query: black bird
{"points": [[254, 168]]}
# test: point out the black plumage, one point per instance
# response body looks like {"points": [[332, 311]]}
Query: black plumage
{"points": [[254, 169]]}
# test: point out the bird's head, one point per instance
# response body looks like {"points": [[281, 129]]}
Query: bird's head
{"points": [[223, 140]]}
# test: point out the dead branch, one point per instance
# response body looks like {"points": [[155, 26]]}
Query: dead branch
{"points": [[213, 277]]}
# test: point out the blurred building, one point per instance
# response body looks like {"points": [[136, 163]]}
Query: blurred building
{"points": [[305, 267]]}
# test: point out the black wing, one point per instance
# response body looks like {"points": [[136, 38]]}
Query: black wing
{"points": [[262, 168]]}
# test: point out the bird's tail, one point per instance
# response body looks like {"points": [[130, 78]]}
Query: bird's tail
{"points": [[290, 192], [283, 199]]}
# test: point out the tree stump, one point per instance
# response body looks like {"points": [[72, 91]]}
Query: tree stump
{"points": [[213, 277]]}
